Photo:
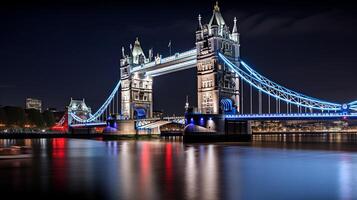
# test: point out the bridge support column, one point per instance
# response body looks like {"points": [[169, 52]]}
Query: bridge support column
{"points": [[215, 128], [218, 86], [136, 89]]}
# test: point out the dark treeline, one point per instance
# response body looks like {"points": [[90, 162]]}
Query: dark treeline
{"points": [[25, 118]]}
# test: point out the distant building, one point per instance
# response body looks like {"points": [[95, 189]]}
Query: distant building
{"points": [[52, 109], [34, 104], [158, 114]]}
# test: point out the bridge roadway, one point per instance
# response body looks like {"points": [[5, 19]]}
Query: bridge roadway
{"points": [[155, 122], [140, 124], [293, 116]]}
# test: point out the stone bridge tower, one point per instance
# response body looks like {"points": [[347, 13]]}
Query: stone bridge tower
{"points": [[78, 108], [218, 87], [136, 88]]}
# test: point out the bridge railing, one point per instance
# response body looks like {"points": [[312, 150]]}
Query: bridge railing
{"points": [[291, 115]]}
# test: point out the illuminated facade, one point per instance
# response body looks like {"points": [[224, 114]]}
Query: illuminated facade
{"points": [[79, 109], [33, 104], [218, 86], [136, 89]]}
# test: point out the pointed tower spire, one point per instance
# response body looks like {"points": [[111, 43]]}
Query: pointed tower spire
{"points": [[216, 18], [187, 105], [235, 25], [216, 7], [151, 54], [138, 53], [123, 52], [235, 30], [199, 22]]}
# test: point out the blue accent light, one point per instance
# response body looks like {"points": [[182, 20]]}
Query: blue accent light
{"points": [[140, 113], [290, 116], [227, 104], [202, 121], [192, 121]]}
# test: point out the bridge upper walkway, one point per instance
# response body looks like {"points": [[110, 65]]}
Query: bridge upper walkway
{"points": [[176, 62]]}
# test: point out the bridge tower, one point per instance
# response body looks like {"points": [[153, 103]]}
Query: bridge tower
{"points": [[78, 108], [218, 87], [136, 88]]}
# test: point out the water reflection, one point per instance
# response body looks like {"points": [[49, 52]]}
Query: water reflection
{"points": [[190, 173], [125, 171], [347, 177], [209, 173], [169, 169]]}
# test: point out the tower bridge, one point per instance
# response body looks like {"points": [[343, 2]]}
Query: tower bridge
{"points": [[226, 86]]}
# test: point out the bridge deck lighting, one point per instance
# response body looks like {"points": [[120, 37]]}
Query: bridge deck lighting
{"points": [[192, 121]]}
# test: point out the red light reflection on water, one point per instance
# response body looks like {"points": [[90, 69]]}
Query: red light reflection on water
{"points": [[168, 168], [58, 146], [145, 161], [59, 162]]}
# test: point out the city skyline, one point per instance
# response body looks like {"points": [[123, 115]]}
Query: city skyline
{"points": [[59, 49]]}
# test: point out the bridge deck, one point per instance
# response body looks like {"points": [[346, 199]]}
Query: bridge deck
{"points": [[293, 116]]}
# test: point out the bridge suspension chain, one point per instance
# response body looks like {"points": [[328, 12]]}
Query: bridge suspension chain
{"points": [[102, 112], [242, 96], [272, 89]]}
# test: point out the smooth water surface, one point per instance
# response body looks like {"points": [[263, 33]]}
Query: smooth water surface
{"points": [[169, 169]]}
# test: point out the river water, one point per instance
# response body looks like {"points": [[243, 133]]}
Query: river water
{"points": [[270, 167]]}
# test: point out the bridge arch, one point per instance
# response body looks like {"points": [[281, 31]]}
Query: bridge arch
{"points": [[227, 106], [140, 113]]}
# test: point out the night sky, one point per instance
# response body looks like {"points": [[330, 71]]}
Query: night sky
{"points": [[63, 49]]}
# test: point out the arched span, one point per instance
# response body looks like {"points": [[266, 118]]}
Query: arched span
{"points": [[279, 92], [100, 111], [140, 113], [226, 105]]}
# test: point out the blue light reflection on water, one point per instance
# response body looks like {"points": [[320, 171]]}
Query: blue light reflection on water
{"points": [[173, 170]]}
